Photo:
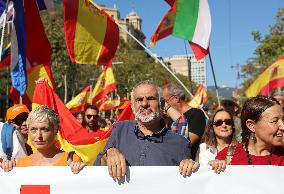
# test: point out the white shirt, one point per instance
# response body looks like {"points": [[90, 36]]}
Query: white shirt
{"points": [[205, 154]]}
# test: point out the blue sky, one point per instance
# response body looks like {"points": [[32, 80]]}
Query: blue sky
{"points": [[232, 24]]}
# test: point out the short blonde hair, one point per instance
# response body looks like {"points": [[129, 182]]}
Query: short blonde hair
{"points": [[43, 113]]}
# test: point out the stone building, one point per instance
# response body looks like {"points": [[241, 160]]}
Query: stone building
{"points": [[132, 23]]}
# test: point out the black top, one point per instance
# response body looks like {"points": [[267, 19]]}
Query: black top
{"points": [[196, 124]]}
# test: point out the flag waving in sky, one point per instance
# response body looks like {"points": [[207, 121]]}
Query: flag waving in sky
{"points": [[193, 22], [271, 79], [189, 20], [91, 35], [105, 84], [79, 102], [200, 98]]}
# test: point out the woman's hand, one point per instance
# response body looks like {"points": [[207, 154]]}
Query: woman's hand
{"points": [[218, 165], [8, 165]]}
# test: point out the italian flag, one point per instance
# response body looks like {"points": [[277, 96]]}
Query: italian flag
{"points": [[193, 23]]}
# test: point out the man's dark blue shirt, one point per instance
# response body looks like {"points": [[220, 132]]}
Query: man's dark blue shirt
{"points": [[165, 148]]}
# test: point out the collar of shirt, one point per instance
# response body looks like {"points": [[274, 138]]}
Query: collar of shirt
{"points": [[156, 137]]}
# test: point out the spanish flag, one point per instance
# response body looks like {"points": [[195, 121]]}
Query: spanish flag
{"points": [[200, 98], [109, 104], [164, 28], [272, 78], [79, 102], [105, 84], [71, 136], [34, 73], [91, 35]]}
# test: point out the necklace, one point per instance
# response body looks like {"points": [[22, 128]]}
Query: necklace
{"points": [[249, 156]]}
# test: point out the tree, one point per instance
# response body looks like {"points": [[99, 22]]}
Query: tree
{"points": [[270, 48]]}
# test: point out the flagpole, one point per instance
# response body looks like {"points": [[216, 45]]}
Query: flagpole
{"points": [[3, 31], [188, 65], [215, 83], [162, 63]]}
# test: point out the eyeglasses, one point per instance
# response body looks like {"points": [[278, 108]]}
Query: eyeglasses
{"points": [[226, 121], [90, 116], [167, 100]]}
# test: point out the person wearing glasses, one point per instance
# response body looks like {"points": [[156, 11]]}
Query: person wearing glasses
{"points": [[43, 124], [145, 141], [191, 121], [92, 121], [262, 135], [16, 132], [219, 134]]}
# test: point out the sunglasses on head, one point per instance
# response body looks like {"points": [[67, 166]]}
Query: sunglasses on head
{"points": [[226, 121], [90, 116]]}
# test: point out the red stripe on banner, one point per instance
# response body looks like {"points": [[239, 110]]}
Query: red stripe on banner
{"points": [[106, 90], [35, 189], [70, 22], [272, 85], [110, 43]]}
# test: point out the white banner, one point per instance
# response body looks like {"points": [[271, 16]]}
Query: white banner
{"points": [[147, 180]]}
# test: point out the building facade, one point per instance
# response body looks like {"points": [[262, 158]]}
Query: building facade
{"points": [[181, 63], [132, 23]]}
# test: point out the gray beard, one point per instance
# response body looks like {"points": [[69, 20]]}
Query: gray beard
{"points": [[148, 118]]}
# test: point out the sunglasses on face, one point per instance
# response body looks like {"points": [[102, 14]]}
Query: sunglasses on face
{"points": [[226, 121], [90, 116]]}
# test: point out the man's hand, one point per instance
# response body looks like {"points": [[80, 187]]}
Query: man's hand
{"points": [[218, 165], [8, 165], [187, 166], [116, 163]]}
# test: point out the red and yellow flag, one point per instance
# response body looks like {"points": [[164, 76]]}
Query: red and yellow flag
{"points": [[79, 102], [105, 84], [109, 104], [72, 136], [272, 78], [200, 97], [164, 28], [33, 74], [91, 35]]}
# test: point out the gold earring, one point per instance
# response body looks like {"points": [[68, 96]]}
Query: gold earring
{"points": [[253, 138]]}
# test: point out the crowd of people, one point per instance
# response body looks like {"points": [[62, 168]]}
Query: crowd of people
{"points": [[166, 132]]}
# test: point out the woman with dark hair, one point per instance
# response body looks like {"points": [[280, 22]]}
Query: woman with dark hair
{"points": [[218, 135], [262, 135]]}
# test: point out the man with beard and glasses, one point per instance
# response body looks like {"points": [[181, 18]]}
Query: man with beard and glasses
{"points": [[145, 141], [92, 121]]}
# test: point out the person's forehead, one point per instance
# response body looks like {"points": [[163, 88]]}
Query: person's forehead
{"points": [[38, 123], [91, 111], [273, 111], [146, 90]]}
